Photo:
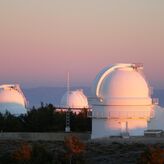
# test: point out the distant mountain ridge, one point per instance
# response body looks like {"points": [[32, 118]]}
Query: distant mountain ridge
{"points": [[47, 95], [159, 93], [53, 95]]}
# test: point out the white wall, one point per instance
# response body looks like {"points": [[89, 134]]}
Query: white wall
{"points": [[137, 127], [105, 128], [108, 120], [113, 127], [157, 123]]}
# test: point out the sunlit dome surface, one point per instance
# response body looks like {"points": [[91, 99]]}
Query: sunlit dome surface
{"points": [[12, 100], [121, 84], [74, 99]]}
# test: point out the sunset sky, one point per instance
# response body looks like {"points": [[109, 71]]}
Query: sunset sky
{"points": [[41, 40]]}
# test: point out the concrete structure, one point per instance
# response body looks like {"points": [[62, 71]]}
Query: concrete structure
{"points": [[121, 102], [12, 100]]}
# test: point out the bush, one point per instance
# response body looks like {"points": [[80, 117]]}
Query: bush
{"points": [[74, 149], [40, 155], [7, 158], [23, 154], [152, 155], [26, 154]]}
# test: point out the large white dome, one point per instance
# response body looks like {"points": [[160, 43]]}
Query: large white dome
{"points": [[12, 100], [74, 99], [121, 102], [122, 84]]}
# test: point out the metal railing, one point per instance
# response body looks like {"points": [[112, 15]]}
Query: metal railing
{"points": [[125, 115]]}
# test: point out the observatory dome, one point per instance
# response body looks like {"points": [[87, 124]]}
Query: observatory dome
{"points": [[12, 100], [121, 102], [74, 99], [122, 84]]}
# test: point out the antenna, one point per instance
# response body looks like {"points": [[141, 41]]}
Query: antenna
{"points": [[67, 128], [68, 89], [68, 83]]}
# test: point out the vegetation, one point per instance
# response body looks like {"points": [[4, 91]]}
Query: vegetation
{"points": [[43, 119], [74, 149], [36, 153], [23, 153], [152, 155], [26, 154]]}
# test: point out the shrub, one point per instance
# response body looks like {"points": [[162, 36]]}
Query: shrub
{"points": [[23, 153], [40, 155], [74, 149], [26, 154], [152, 155]]}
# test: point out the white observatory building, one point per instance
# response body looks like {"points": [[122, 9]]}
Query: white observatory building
{"points": [[12, 100], [72, 101], [75, 100], [121, 102]]}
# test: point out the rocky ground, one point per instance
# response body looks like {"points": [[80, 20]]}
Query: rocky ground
{"points": [[114, 153], [95, 152]]}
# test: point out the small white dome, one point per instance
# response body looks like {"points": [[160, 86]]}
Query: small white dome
{"points": [[12, 100], [74, 99], [121, 84]]}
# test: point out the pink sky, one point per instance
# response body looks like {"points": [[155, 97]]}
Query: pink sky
{"points": [[41, 40]]}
